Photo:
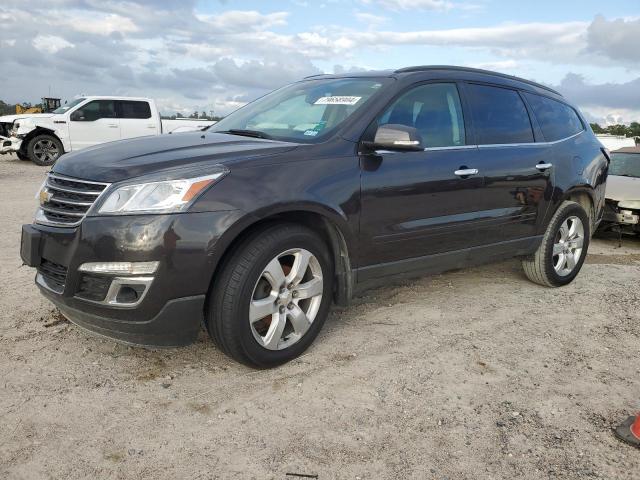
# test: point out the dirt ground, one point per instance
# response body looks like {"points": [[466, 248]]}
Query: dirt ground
{"points": [[472, 374]]}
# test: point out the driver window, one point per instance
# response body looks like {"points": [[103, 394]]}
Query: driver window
{"points": [[95, 110], [434, 110]]}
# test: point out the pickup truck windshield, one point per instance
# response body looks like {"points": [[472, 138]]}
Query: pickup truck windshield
{"points": [[67, 106], [301, 112], [625, 164]]}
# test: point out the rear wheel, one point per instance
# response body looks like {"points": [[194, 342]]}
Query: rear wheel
{"points": [[564, 246], [44, 150], [272, 297]]}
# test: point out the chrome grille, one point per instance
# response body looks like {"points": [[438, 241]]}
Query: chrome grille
{"points": [[65, 201]]}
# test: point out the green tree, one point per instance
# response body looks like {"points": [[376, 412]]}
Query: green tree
{"points": [[618, 129], [596, 128]]}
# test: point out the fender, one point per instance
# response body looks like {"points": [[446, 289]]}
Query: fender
{"points": [[43, 131], [319, 216], [32, 126]]}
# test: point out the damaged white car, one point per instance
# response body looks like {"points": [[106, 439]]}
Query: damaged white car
{"points": [[84, 122], [622, 204]]}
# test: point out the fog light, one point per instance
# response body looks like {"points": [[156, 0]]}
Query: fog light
{"points": [[129, 293], [120, 268]]}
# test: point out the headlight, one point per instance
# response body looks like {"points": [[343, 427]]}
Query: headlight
{"points": [[159, 197]]}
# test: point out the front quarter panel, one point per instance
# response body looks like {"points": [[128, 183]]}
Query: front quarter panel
{"points": [[326, 185]]}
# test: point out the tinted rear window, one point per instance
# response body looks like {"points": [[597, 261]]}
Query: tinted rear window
{"points": [[132, 109], [499, 115], [556, 119]]}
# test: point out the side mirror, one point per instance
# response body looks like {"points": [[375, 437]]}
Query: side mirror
{"points": [[77, 116], [397, 137]]}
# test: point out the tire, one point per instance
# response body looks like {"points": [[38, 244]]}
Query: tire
{"points": [[557, 260], [44, 150], [22, 156], [246, 289]]}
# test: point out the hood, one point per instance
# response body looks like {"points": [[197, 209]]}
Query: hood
{"points": [[12, 118], [117, 161], [622, 188]]}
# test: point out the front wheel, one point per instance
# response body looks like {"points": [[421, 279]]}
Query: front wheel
{"points": [[561, 254], [272, 296], [44, 150]]}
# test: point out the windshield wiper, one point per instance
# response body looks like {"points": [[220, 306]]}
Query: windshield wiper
{"points": [[247, 133]]}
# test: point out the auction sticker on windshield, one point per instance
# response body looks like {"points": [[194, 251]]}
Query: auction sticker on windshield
{"points": [[337, 100]]}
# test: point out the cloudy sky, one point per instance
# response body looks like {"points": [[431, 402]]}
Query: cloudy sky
{"points": [[219, 54]]}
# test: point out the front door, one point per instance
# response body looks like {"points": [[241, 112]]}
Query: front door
{"points": [[94, 123], [426, 202]]}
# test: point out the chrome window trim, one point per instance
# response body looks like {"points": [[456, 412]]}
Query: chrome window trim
{"points": [[492, 145], [40, 218], [531, 144]]}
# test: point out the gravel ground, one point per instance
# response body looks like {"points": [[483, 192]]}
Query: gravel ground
{"points": [[468, 375]]}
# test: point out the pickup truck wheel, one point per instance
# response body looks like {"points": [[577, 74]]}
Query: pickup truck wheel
{"points": [[44, 150], [22, 156], [564, 246], [272, 297]]}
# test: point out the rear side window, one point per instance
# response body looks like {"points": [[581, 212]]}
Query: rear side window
{"points": [[499, 115], [434, 110], [133, 109], [556, 119]]}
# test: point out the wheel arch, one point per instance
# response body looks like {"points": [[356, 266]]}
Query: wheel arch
{"points": [[40, 131], [586, 197], [330, 225]]}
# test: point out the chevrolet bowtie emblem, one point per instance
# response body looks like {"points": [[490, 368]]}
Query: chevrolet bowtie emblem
{"points": [[45, 196]]}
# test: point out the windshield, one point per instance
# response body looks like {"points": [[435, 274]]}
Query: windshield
{"points": [[67, 106], [302, 112], [625, 164]]}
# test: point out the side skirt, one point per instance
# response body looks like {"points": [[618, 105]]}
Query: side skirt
{"points": [[374, 275]]}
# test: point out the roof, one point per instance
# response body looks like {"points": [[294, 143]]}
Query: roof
{"points": [[429, 68], [426, 68], [635, 149]]}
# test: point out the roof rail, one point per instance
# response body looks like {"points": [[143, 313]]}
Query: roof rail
{"points": [[317, 75], [423, 68]]}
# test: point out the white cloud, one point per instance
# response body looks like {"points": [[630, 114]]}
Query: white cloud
{"points": [[370, 19], [412, 4], [50, 43], [167, 49], [93, 23], [240, 21]]}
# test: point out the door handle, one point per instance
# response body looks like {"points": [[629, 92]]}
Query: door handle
{"points": [[544, 166], [112, 125], [465, 172]]}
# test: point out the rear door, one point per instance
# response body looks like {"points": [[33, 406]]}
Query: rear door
{"points": [[417, 203], [136, 119], [517, 171], [93, 123]]}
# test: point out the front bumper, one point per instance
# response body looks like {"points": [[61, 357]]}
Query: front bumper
{"points": [[627, 220], [10, 144], [170, 312]]}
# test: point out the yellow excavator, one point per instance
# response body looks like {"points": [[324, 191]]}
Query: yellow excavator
{"points": [[47, 105]]}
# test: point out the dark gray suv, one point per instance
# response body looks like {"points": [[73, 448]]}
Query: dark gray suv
{"points": [[316, 191]]}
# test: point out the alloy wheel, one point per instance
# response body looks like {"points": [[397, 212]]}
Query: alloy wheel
{"points": [[46, 150], [286, 299], [567, 247]]}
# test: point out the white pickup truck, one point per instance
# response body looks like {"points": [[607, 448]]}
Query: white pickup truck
{"points": [[84, 122]]}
